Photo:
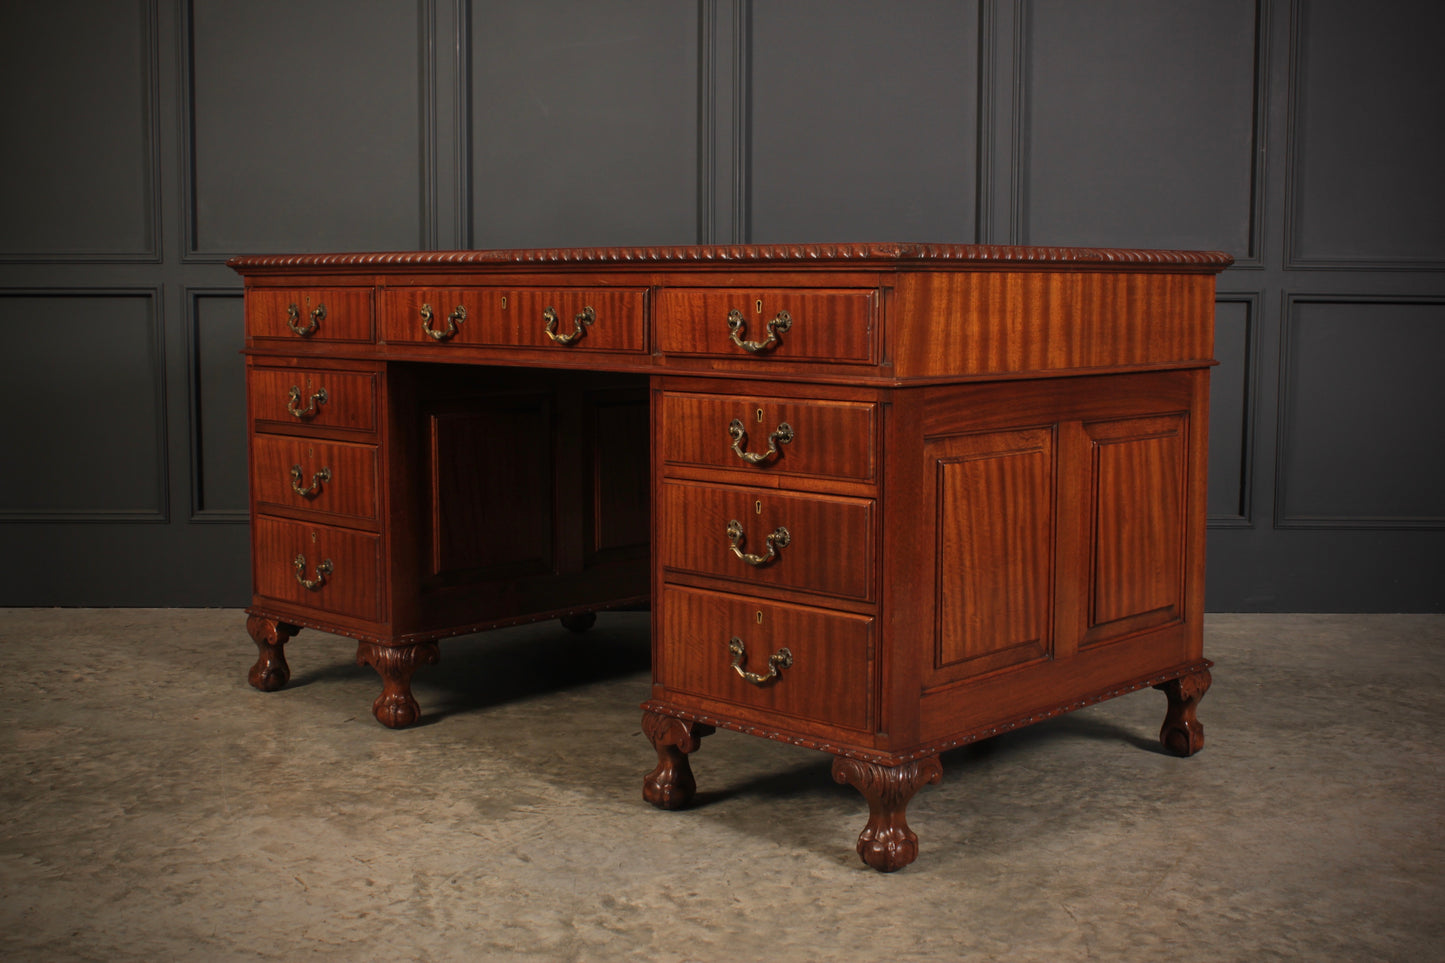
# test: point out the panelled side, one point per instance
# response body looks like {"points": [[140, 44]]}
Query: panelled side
{"points": [[1067, 519]]}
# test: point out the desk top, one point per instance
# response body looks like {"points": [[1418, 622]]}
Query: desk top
{"points": [[864, 313]]}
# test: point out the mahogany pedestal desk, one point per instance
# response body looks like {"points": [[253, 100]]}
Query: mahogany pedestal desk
{"points": [[884, 499]]}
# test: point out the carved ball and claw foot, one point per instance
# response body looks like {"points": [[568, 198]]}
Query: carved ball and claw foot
{"points": [[578, 621], [395, 708], [671, 785], [271, 635], [1182, 733], [886, 843]]}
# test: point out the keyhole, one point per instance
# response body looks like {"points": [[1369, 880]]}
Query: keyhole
{"points": [[760, 616], [504, 302], [758, 507], [758, 305], [760, 416]]}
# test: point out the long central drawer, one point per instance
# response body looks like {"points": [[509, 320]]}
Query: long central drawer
{"points": [[564, 319]]}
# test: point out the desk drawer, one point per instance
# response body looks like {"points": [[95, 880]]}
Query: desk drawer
{"points": [[781, 323], [310, 314], [325, 478], [830, 439], [814, 543], [826, 674], [343, 568], [317, 397], [563, 319]]}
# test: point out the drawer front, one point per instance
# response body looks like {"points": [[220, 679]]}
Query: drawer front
{"points": [[343, 568], [311, 314], [826, 674], [328, 478], [317, 397], [831, 439], [814, 543], [806, 325], [563, 319]]}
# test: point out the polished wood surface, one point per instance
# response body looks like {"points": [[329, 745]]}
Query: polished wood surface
{"points": [[884, 499]]}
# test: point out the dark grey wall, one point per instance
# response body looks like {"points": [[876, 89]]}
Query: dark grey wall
{"points": [[147, 140]]}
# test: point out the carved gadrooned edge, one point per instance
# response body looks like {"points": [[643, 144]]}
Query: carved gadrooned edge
{"points": [[745, 254], [933, 748]]}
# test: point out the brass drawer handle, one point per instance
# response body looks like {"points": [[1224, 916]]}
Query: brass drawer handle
{"points": [[293, 319], [736, 329], [323, 570], [293, 404], [458, 315], [777, 662], [780, 435], [324, 475], [778, 538], [585, 317]]}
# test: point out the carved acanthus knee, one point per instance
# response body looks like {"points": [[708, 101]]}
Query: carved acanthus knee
{"points": [[1182, 733], [671, 785], [270, 635], [886, 843], [395, 708]]}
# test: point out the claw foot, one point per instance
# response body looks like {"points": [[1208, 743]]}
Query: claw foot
{"points": [[1182, 733], [886, 843], [270, 635], [671, 785], [395, 708]]}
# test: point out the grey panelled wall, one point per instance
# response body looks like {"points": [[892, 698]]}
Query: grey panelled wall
{"points": [[147, 140]]}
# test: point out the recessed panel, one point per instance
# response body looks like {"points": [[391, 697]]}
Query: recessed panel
{"points": [[219, 406], [1367, 99], [490, 483], [306, 126], [1140, 124], [864, 120], [621, 470], [1363, 415], [77, 146], [1137, 552], [584, 123], [994, 528], [1230, 410], [81, 383]]}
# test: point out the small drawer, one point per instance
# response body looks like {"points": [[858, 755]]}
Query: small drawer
{"points": [[830, 439], [781, 323], [814, 543], [321, 477], [318, 567], [316, 397], [312, 314], [562, 319], [804, 662]]}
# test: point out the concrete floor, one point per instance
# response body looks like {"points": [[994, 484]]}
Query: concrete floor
{"points": [[155, 807]]}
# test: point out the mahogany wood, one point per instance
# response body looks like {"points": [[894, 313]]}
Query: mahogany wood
{"points": [[886, 843], [323, 314], [838, 326], [992, 481], [307, 400]]}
